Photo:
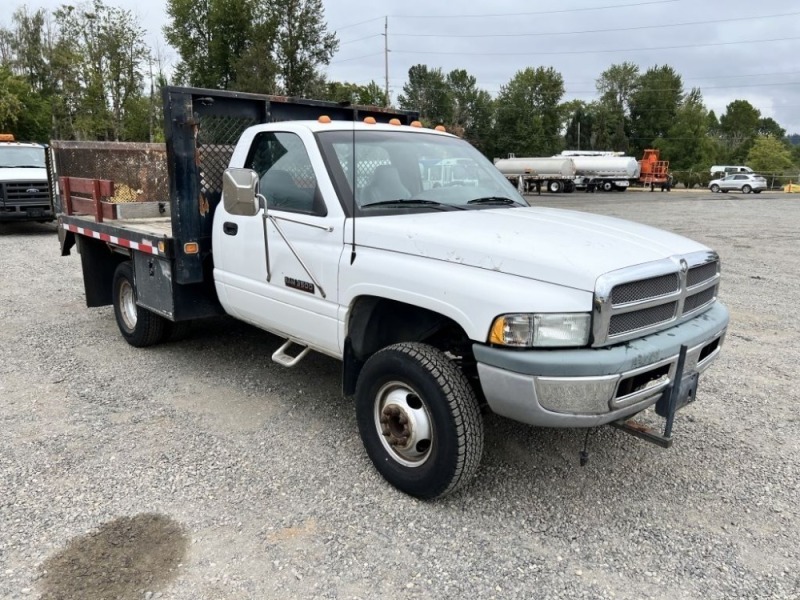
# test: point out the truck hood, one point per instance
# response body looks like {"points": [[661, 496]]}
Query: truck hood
{"points": [[556, 246], [18, 174]]}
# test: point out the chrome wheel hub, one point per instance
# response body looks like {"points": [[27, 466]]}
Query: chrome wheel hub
{"points": [[127, 305], [404, 424]]}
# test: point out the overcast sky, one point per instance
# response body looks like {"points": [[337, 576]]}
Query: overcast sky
{"points": [[729, 48]]}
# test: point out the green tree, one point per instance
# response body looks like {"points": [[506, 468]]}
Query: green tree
{"points": [[210, 38], [616, 86], [769, 126], [10, 103], [472, 109], [654, 106], [341, 91], [688, 147], [528, 119], [303, 44], [739, 128], [770, 155], [427, 91]]}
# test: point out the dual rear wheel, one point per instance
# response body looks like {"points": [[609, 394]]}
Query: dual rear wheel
{"points": [[139, 326]]}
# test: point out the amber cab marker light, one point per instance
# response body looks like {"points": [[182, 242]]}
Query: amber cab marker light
{"points": [[369, 120], [440, 128], [6, 137], [416, 124], [394, 122], [324, 119]]}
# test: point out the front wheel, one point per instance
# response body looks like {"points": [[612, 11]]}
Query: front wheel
{"points": [[607, 186], [138, 326], [715, 188], [746, 189], [419, 420]]}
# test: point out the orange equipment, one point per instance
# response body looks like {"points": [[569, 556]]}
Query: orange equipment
{"points": [[653, 171]]}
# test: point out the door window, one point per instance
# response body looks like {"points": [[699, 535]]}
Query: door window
{"points": [[286, 177]]}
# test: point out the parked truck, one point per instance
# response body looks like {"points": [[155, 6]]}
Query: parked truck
{"points": [[24, 195], [532, 174], [311, 220], [606, 171]]}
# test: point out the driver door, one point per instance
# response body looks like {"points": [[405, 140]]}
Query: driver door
{"points": [[285, 280]]}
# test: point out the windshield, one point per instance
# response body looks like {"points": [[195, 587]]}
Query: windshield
{"points": [[21, 156], [402, 170]]}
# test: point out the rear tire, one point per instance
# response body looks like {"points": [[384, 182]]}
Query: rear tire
{"points": [[419, 420], [139, 326], [746, 189], [607, 186], [554, 187]]}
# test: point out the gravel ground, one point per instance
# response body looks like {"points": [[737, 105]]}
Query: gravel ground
{"points": [[200, 469]]}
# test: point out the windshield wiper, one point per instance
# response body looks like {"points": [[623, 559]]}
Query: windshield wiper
{"points": [[500, 200], [22, 166], [413, 202]]}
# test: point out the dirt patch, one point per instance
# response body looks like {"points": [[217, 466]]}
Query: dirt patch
{"points": [[122, 559]]}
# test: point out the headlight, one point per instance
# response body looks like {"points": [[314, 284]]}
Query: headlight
{"points": [[547, 330]]}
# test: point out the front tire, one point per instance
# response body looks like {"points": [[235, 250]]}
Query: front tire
{"points": [[139, 326], [608, 186], [419, 420], [714, 188]]}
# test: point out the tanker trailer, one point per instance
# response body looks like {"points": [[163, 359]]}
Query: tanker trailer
{"points": [[555, 174], [606, 173]]}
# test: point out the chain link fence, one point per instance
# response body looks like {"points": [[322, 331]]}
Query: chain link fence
{"points": [[701, 179]]}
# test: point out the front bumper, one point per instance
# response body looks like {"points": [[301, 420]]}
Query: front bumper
{"points": [[12, 212], [591, 387]]}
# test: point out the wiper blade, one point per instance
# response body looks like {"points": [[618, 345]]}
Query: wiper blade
{"points": [[412, 202], [25, 166], [501, 200]]}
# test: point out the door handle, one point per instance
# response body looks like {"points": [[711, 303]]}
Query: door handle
{"points": [[230, 228]]}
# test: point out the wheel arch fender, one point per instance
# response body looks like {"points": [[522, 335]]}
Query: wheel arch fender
{"points": [[375, 321]]}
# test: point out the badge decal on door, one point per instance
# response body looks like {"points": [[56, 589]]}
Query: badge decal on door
{"points": [[303, 286]]}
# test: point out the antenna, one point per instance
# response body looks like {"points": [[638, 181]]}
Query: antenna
{"points": [[386, 56], [353, 186]]}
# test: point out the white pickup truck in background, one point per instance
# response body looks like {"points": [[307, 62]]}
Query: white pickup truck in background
{"points": [[24, 193], [438, 299]]}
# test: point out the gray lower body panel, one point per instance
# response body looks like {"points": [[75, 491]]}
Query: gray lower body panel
{"points": [[590, 387]]}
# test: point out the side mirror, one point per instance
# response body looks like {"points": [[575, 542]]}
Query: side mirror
{"points": [[240, 192]]}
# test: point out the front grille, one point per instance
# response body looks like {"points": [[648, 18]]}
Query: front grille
{"points": [[645, 289], [653, 296], [26, 192], [697, 300], [697, 275], [641, 319]]}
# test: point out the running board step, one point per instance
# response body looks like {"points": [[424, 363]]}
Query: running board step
{"points": [[287, 360]]}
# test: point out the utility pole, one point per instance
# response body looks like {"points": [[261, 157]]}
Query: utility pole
{"points": [[386, 57]]}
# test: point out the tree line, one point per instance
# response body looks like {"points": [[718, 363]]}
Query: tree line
{"points": [[86, 72]]}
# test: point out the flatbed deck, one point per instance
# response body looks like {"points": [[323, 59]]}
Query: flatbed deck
{"points": [[147, 234]]}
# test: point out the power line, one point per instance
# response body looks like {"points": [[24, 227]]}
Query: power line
{"points": [[356, 57], [597, 51], [540, 12], [356, 24], [366, 37], [518, 14], [613, 29]]}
